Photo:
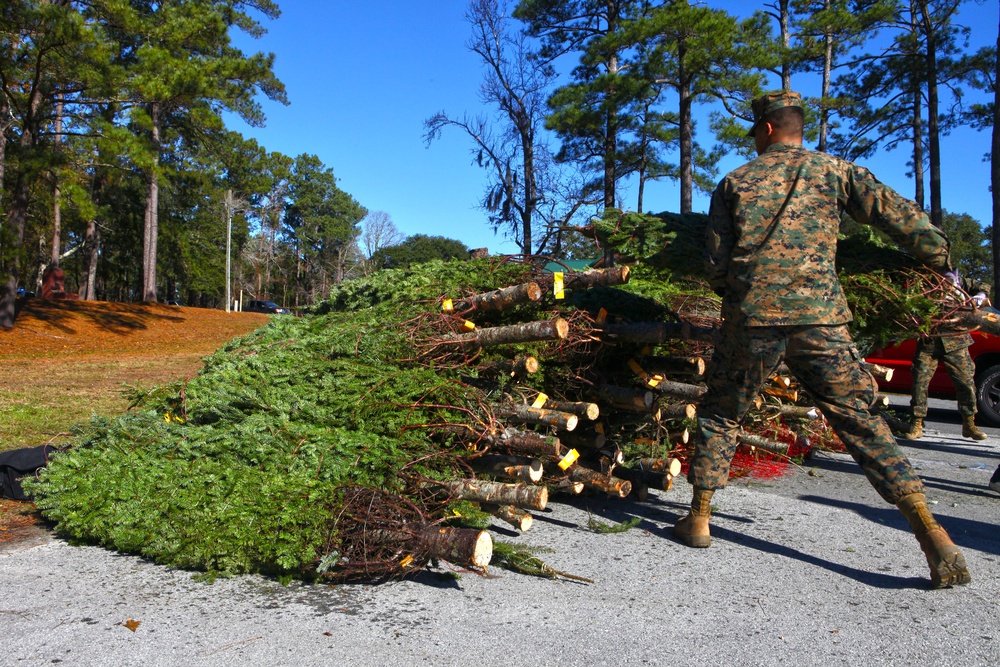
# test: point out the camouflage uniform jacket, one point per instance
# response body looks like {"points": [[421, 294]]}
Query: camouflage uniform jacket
{"points": [[772, 235]]}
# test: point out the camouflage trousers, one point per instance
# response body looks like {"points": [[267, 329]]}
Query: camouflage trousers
{"points": [[827, 365], [953, 352]]}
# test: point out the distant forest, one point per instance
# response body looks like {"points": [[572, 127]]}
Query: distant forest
{"points": [[117, 168]]}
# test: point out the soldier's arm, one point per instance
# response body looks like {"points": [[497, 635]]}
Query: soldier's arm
{"points": [[871, 202], [719, 241]]}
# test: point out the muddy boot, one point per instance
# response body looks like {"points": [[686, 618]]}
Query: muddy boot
{"points": [[944, 558], [916, 429], [970, 430], [692, 529]]}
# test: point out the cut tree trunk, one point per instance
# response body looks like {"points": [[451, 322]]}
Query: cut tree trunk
{"points": [[670, 366], [461, 546], [513, 515], [626, 398], [799, 412], [759, 442], [517, 367], [588, 411], [588, 440], [681, 390], [879, 372], [498, 300], [612, 277], [540, 416], [598, 482], [657, 480], [528, 443], [669, 466], [657, 333], [527, 332], [521, 495], [679, 411], [513, 467]]}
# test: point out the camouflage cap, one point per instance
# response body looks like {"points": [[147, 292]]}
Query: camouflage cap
{"points": [[765, 104]]}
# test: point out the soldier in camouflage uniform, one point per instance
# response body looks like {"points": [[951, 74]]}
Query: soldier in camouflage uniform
{"points": [[772, 238], [951, 349]]}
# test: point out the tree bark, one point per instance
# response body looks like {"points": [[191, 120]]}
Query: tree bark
{"points": [[657, 333], [555, 329], [151, 220], [514, 516], [681, 390], [626, 398], [669, 366], [528, 443], [540, 416], [758, 442], [588, 411], [499, 300], [594, 480], [521, 495], [514, 467]]}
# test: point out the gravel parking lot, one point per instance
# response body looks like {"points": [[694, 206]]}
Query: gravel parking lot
{"points": [[809, 569]]}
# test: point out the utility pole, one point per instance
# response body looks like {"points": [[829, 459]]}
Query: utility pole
{"points": [[229, 237]]}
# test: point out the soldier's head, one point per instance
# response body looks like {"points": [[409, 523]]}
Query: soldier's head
{"points": [[778, 117]]}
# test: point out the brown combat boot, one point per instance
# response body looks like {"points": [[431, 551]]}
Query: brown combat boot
{"points": [[970, 430], [944, 558], [916, 429], [692, 529]]}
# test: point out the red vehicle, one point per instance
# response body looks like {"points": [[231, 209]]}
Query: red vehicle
{"points": [[985, 353]]}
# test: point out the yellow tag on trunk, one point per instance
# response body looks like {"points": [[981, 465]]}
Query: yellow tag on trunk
{"points": [[599, 427], [653, 381], [447, 306], [602, 317], [406, 561], [569, 459], [557, 284], [540, 401], [468, 326]]}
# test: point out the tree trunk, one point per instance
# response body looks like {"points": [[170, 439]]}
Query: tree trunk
{"points": [[824, 112], [514, 516], [626, 398], [681, 390], [540, 416], [657, 333], [498, 300], [668, 366], [686, 136], [151, 220], [758, 442], [92, 243], [594, 480], [514, 467], [588, 411], [527, 332], [933, 131], [520, 495]]}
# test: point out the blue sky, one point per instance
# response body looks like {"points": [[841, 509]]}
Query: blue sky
{"points": [[362, 77]]}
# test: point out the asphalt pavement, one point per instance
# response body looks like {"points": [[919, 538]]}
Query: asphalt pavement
{"points": [[808, 569]]}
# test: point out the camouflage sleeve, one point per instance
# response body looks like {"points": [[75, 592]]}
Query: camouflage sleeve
{"points": [[871, 202], [973, 286], [719, 240]]}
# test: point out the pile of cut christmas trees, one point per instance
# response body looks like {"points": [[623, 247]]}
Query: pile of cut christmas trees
{"points": [[391, 427]]}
